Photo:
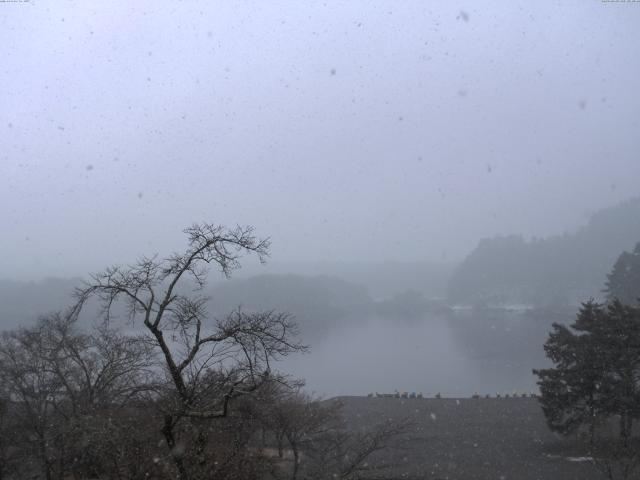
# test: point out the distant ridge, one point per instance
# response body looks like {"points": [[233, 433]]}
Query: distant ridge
{"points": [[564, 269]]}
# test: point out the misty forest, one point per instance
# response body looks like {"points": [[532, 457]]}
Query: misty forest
{"points": [[319, 240]]}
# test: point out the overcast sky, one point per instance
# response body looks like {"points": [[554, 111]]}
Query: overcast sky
{"points": [[343, 130]]}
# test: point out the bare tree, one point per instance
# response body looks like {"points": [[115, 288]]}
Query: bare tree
{"points": [[56, 377], [96, 370], [320, 443], [347, 454], [298, 419], [9, 437], [33, 390], [208, 362]]}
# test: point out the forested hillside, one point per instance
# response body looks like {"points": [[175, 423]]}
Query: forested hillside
{"points": [[561, 269], [317, 303]]}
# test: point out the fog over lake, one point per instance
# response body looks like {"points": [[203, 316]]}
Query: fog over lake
{"points": [[384, 355]]}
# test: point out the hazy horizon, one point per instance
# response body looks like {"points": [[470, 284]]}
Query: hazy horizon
{"points": [[395, 132]]}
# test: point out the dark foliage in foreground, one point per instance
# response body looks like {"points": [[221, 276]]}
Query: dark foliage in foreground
{"points": [[597, 369], [185, 396]]}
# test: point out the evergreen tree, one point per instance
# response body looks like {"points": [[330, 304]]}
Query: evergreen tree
{"points": [[624, 280], [597, 368], [570, 392], [617, 338]]}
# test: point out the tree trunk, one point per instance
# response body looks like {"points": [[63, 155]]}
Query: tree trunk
{"points": [[629, 425], [296, 460], [624, 427], [280, 438], [42, 450], [167, 431], [201, 445], [61, 455]]}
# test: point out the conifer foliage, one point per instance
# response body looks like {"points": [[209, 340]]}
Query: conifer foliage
{"points": [[623, 282], [596, 370]]}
